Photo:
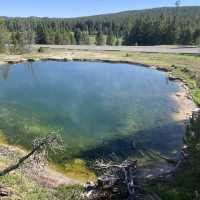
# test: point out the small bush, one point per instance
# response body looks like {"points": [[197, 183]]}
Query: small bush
{"points": [[42, 49], [31, 60]]}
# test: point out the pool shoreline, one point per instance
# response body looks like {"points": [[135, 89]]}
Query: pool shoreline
{"points": [[182, 98]]}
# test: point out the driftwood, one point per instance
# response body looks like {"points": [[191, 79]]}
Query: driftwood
{"points": [[124, 182], [115, 181], [39, 152]]}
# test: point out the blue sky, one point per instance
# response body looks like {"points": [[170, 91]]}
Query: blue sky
{"points": [[74, 8]]}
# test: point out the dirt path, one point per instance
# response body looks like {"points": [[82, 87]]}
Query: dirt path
{"points": [[147, 49]]}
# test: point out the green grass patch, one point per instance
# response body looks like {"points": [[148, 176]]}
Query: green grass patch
{"points": [[69, 192], [196, 95], [186, 75], [22, 187]]}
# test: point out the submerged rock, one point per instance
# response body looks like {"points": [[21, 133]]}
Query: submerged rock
{"points": [[174, 78]]}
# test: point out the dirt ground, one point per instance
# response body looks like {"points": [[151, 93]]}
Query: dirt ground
{"points": [[149, 49]]}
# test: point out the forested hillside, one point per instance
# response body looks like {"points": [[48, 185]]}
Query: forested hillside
{"points": [[172, 25]]}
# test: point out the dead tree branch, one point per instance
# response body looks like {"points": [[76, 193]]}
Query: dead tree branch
{"points": [[41, 146], [114, 180]]}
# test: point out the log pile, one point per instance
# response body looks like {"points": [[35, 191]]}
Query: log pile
{"points": [[116, 181]]}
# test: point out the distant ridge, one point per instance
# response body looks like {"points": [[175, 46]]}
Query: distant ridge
{"points": [[193, 10]]}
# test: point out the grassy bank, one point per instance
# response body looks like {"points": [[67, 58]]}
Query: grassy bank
{"points": [[30, 183], [18, 185], [191, 78], [21, 187]]}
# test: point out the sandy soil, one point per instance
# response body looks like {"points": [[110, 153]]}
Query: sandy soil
{"points": [[184, 103]]}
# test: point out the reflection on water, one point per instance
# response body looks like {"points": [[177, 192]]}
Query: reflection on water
{"points": [[4, 71], [90, 103]]}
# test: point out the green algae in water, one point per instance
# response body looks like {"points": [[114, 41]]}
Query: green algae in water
{"points": [[93, 105]]}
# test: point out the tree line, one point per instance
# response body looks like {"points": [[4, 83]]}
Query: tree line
{"points": [[147, 27], [161, 31]]}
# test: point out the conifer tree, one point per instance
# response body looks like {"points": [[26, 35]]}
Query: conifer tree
{"points": [[4, 36], [100, 40]]}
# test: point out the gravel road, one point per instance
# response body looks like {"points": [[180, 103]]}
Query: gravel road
{"points": [[148, 49]]}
